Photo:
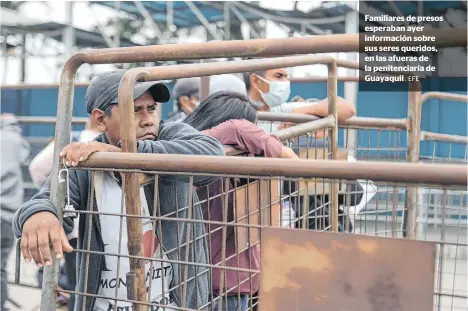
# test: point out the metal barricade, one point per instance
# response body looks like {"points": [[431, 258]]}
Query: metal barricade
{"points": [[270, 47], [243, 215], [442, 217], [128, 136]]}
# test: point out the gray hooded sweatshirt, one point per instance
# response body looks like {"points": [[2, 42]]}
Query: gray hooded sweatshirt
{"points": [[173, 138], [14, 152]]}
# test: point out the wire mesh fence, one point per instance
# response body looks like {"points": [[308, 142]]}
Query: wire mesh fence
{"points": [[379, 144], [205, 251]]}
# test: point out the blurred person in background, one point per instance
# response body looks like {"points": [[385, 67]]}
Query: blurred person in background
{"points": [[14, 152], [227, 82], [271, 89], [40, 168], [230, 118], [186, 95]]}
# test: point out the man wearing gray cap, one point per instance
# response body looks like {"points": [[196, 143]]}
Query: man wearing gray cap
{"points": [[186, 94], [38, 225], [227, 82]]}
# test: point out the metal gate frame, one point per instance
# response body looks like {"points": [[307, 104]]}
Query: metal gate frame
{"points": [[128, 136], [259, 48]]}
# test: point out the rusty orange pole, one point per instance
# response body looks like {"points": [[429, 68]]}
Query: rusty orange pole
{"points": [[414, 139]]}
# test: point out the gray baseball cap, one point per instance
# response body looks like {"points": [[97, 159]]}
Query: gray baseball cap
{"points": [[227, 82], [103, 91], [186, 87]]}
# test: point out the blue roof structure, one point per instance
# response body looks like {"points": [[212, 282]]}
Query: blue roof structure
{"points": [[330, 14], [183, 17], [213, 11]]}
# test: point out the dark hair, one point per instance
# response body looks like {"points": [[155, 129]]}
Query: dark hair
{"points": [[247, 75], [108, 110], [221, 107]]}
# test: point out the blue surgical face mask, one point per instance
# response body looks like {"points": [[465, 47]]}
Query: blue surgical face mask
{"points": [[278, 94]]}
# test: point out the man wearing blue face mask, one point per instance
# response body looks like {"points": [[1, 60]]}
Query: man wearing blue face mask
{"points": [[271, 88]]}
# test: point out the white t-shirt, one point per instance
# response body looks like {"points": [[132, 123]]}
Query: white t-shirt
{"points": [[271, 127], [108, 197]]}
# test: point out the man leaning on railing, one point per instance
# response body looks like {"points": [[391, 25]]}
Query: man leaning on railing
{"points": [[37, 223]]}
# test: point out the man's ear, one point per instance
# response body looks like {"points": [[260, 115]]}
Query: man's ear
{"points": [[99, 117], [254, 81], [258, 84]]}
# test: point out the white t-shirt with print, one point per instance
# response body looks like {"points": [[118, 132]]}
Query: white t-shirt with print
{"points": [[109, 197]]}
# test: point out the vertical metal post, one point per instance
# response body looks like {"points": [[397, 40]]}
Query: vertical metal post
{"points": [[23, 59], [62, 138], [227, 21], [414, 137], [116, 24], [204, 85], [22, 74], [131, 187], [333, 138], [170, 14], [68, 33], [57, 192], [350, 88]]}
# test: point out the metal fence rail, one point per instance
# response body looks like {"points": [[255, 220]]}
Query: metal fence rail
{"points": [[128, 136], [446, 141], [242, 179], [260, 48], [442, 217], [245, 212]]}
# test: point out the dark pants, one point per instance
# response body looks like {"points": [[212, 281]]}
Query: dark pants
{"points": [[233, 303], [8, 240], [70, 270]]}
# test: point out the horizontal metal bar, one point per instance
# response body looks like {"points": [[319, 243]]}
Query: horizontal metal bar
{"points": [[439, 174], [323, 79], [149, 304], [375, 123], [259, 47], [36, 86], [448, 294], [214, 68], [263, 116], [47, 120], [305, 128], [444, 96], [351, 122], [430, 136], [285, 117]]}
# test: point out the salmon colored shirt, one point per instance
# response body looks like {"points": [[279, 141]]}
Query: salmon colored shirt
{"points": [[245, 136]]}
